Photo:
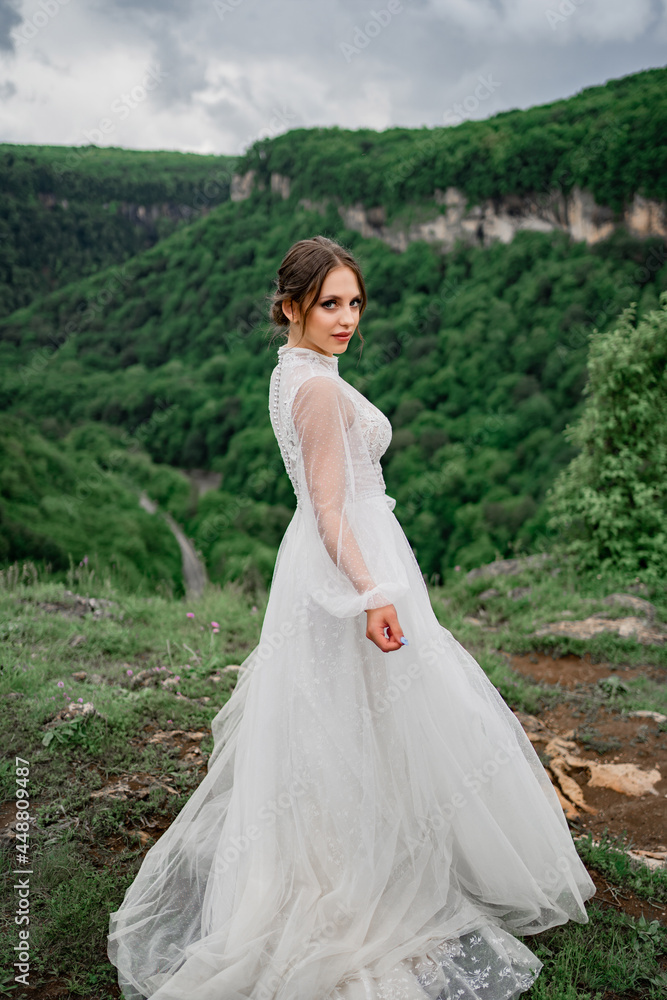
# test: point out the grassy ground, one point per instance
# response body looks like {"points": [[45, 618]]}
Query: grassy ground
{"points": [[551, 594], [85, 848]]}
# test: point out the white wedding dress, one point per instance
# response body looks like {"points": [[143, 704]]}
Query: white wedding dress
{"points": [[372, 826]]}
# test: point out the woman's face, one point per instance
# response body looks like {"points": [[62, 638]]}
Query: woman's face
{"points": [[334, 316]]}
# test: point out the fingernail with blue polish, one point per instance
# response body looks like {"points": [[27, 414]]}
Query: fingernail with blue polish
{"points": [[403, 640]]}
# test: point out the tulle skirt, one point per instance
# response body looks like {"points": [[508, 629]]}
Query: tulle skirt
{"points": [[372, 826]]}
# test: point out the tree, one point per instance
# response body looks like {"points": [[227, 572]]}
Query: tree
{"points": [[610, 504]]}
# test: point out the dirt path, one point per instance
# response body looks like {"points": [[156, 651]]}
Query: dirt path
{"points": [[580, 729], [194, 571]]}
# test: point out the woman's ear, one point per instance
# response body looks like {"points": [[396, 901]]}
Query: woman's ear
{"points": [[291, 310]]}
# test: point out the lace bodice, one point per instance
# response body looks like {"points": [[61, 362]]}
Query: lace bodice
{"points": [[300, 364], [331, 439]]}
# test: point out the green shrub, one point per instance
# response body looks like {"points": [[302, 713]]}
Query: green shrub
{"points": [[610, 503]]}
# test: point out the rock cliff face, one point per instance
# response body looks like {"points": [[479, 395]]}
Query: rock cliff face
{"points": [[449, 219], [497, 219], [242, 185], [143, 215]]}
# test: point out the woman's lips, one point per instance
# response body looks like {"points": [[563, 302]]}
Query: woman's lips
{"points": [[342, 336]]}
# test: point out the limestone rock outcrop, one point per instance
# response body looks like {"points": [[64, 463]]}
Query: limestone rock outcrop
{"points": [[496, 219]]}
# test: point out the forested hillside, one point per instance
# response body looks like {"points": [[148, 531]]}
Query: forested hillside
{"points": [[75, 500], [66, 212], [478, 356], [608, 140]]}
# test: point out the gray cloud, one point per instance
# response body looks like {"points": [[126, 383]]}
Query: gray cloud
{"points": [[232, 70], [9, 18]]}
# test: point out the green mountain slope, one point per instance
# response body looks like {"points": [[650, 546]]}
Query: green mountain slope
{"points": [[76, 500], [66, 212]]}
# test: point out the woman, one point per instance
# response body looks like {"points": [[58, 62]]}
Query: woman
{"points": [[371, 826]]}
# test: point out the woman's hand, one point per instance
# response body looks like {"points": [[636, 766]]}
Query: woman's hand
{"points": [[379, 619]]}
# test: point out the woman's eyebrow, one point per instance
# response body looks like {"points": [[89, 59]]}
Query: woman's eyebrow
{"points": [[332, 296]]}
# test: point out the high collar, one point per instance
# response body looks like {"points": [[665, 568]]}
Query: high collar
{"points": [[308, 353]]}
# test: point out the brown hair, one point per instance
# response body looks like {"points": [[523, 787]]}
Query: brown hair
{"points": [[302, 272]]}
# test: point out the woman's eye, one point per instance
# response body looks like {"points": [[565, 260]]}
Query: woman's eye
{"points": [[333, 302]]}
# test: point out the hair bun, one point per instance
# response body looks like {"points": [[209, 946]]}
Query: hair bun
{"points": [[278, 316]]}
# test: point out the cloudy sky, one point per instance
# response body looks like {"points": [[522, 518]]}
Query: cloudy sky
{"points": [[213, 75]]}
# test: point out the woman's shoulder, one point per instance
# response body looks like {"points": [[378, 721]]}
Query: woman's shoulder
{"points": [[300, 372]]}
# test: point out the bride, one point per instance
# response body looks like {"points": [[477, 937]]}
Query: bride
{"points": [[374, 823]]}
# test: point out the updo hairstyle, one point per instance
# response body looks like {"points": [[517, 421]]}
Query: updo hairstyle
{"points": [[302, 273]]}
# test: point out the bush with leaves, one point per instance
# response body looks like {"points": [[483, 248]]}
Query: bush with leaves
{"points": [[609, 505]]}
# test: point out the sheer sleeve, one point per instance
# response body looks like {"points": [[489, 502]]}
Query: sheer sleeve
{"points": [[351, 561]]}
